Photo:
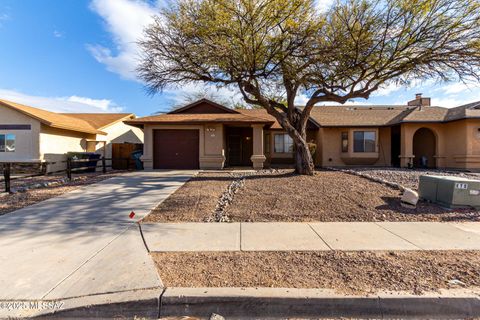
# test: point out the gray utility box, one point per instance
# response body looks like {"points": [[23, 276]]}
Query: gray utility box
{"points": [[449, 191]]}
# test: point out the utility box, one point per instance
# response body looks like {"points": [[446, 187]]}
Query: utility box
{"points": [[449, 191]]}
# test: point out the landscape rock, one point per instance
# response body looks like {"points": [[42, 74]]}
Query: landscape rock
{"points": [[226, 199], [409, 198]]}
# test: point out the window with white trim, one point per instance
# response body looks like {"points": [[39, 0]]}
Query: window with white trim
{"points": [[283, 143], [364, 141], [7, 142]]}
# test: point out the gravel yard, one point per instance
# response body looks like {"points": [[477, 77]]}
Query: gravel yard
{"points": [[195, 201], [280, 195], [15, 201], [409, 177], [345, 272]]}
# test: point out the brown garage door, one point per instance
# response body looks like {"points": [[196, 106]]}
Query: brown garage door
{"points": [[175, 149]]}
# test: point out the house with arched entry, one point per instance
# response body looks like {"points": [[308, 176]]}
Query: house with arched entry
{"points": [[445, 137], [207, 135]]}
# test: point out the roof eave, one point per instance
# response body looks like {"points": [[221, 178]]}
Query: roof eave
{"points": [[190, 122], [93, 131], [134, 124]]}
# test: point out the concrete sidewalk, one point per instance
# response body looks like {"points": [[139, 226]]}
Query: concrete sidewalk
{"points": [[83, 243], [285, 236]]}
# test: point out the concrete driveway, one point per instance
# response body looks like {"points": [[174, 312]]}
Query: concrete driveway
{"points": [[82, 243]]}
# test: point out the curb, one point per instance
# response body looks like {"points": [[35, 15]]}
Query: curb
{"points": [[264, 303], [127, 304], [261, 303]]}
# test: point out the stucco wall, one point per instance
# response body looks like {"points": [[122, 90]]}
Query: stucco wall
{"points": [[449, 140], [211, 144], [55, 143], [457, 143], [27, 146], [330, 143], [470, 159], [118, 133]]}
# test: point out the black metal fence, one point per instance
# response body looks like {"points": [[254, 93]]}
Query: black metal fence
{"points": [[72, 166]]}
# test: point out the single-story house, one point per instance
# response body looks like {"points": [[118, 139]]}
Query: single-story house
{"points": [[29, 134], [207, 135]]}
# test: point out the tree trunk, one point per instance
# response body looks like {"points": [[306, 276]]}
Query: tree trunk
{"points": [[303, 159]]}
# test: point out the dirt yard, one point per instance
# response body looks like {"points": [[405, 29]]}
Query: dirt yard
{"points": [[284, 196], [345, 272], [195, 201], [12, 202]]}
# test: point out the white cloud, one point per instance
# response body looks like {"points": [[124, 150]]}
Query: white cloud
{"points": [[387, 90], [324, 5], [58, 34], [457, 87], [62, 104], [3, 17], [125, 20], [451, 101]]}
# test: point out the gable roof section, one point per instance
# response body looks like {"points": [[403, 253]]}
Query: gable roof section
{"points": [[426, 114], [51, 119], [262, 113], [467, 111], [219, 107], [101, 120], [359, 116]]}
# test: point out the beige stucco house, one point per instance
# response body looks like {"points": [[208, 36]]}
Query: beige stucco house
{"points": [[29, 134], [210, 136]]}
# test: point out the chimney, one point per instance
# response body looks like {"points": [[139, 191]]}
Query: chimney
{"points": [[419, 101]]}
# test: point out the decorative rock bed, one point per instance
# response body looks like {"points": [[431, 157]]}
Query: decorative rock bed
{"points": [[226, 198], [400, 178], [370, 177]]}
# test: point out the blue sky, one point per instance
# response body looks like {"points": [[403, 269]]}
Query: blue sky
{"points": [[80, 56]]}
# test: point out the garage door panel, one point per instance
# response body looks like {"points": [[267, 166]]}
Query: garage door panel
{"points": [[176, 149]]}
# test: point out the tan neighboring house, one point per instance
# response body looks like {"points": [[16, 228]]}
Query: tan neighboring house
{"points": [[207, 135], [30, 134]]}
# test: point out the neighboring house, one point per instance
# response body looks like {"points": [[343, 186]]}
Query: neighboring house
{"points": [[207, 135], [30, 134]]}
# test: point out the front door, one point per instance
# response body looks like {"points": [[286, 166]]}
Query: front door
{"points": [[395, 145], [239, 146]]}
